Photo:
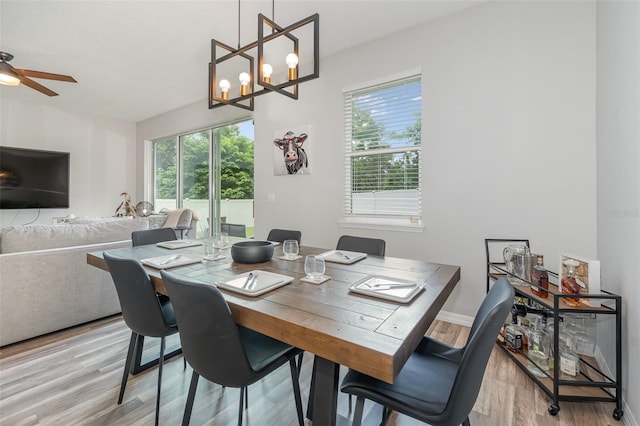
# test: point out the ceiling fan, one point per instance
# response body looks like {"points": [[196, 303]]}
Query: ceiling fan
{"points": [[11, 76]]}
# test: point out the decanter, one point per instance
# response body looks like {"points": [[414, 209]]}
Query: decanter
{"points": [[569, 284], [540, 279], [539, 346]]}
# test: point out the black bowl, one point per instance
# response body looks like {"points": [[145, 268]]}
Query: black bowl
{"points": [[252, 251]]}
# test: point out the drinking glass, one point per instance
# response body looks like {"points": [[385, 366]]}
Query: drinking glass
{"points": [[290, 248], [314, 267], [211, 250], [583, 343]]}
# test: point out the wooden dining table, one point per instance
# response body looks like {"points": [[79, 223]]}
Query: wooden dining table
{"points": [[372, 335]]}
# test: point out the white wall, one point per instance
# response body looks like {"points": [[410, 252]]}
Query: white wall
{"points": [[508, 134], [618, 149], [103, 157]]}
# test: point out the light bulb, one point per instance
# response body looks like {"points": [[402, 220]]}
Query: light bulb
{"points": [[292, 61], [244, 78], [224, 86], [9, 80], [266, 73], [244, 81]]}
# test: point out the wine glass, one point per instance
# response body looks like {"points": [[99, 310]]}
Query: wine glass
{"points": [[583, 343], [314, 267], [290, 248]]}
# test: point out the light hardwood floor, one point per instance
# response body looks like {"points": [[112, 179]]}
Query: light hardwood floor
{"points": [[73, 378]]}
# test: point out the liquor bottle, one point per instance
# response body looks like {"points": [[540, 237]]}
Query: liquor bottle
{"points": [[569, 360], [569, 283], [539, 349], [540, 279]]}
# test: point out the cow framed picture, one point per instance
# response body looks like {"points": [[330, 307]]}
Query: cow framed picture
{"points": [[291, 147]]}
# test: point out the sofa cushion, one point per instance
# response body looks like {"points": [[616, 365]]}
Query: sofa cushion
{"points": [[39, 237]]}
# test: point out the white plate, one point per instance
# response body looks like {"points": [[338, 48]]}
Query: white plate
{"points": [[264, 282], [394, 289], [170, 261], [343, 256], [176, 244]]}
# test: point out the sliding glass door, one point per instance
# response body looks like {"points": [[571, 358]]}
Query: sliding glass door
{"points": [[209, 172], [194, 174]]}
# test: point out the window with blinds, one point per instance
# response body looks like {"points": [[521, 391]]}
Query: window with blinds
{"points": [[383, 145]]}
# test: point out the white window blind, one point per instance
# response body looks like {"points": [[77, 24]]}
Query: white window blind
{"points": [[383, 145]]}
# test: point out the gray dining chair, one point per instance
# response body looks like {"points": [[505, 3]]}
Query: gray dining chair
{"points": [[372, 246], [234, 230], [152, 236], [220, 350], [280, 235], [439, 384], [142, 310]]}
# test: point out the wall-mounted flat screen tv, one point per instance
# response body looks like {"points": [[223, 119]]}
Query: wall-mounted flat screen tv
{"points": [[33, 179]]}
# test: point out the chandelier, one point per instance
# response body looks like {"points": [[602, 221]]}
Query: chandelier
{"points": [[233, 72]]}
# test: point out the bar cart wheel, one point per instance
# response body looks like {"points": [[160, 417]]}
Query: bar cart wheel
{"points": [[617, 413], [553, 409]]}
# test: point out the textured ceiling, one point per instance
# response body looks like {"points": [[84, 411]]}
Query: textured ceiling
{"points": [[137, 59]]}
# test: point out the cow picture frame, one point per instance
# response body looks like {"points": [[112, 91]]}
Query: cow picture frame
{"points": [[291, 151]]}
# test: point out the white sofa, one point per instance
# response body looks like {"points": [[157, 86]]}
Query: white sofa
{"points": [[45, 282]]}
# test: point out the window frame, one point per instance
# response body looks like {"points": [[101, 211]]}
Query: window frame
{"points": [[399, 222]]}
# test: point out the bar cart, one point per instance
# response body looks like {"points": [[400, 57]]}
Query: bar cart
{"points": [[591, 383]]}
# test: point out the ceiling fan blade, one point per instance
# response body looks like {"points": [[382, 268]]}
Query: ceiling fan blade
{"points": [[47, 75], [37, 86]]}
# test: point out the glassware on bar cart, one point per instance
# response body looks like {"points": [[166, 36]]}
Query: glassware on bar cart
{"points": [[583, 343], [569, 284], [515, 257], [539, 348], [540, 279]]}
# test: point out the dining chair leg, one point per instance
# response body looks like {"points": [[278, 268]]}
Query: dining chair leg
{"points": [[190, 397], [296, 390], [160, 365], [357, 416], [300, 363], [386, 412], [127, 365], [241, 409], [244, 391]]}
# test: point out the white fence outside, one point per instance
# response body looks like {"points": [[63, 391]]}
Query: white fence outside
{"points": [[232, 211]]}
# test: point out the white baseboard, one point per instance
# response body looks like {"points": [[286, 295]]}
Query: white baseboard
{"points": [[628, 418], [455, 318]]}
